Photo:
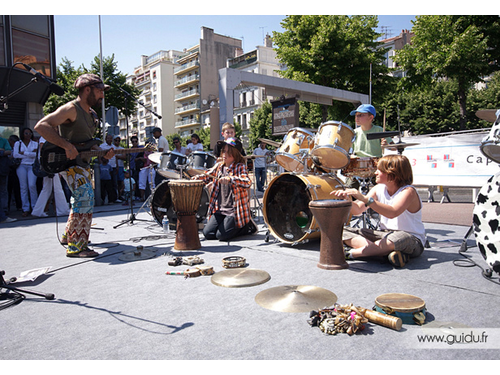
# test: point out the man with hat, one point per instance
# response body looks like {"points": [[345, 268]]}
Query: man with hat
{"points": [[229, 208], [76, 122]]}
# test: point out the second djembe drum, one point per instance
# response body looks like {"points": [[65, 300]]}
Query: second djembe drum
{"points": [[186, 196]]}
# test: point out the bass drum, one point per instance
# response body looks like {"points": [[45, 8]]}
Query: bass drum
{"points": [[286, 205], [161, 204], [489, 146], [487, 222]]}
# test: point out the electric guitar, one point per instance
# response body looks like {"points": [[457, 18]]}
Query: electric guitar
{"points": [[53, 158]]}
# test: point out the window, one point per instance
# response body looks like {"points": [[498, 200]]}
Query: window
{"points": [[31, 42]]}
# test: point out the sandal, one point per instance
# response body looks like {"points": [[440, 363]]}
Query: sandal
{"points": [[83, 254], [398, 259]]}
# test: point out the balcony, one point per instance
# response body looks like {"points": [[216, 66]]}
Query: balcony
{"points": [[186, 67], [188, 94], [184, 110], [187, 123], [187, 80]]}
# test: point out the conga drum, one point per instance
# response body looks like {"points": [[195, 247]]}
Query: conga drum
{"points": [[186, 197]]}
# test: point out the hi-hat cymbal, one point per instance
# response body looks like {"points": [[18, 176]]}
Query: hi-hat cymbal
{"points": [[238, 278], [295, 298]]}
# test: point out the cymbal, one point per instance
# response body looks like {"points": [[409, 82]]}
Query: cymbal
{"points": [[238, 277], [155, 157], [487, 114], [396, 146], [295, 298], [139, 254], [381, 135], [270, 142]]}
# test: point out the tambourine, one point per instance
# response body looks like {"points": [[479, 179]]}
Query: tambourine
{"points": [[409, 308], [234, 262]]}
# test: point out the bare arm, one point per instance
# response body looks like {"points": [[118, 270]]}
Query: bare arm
{"points": [[47, 128]]}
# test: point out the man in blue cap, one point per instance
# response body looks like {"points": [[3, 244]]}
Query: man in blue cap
{"points": [[362, 147]]}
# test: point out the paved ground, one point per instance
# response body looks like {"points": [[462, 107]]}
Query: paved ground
{"points": [[111, 308]]}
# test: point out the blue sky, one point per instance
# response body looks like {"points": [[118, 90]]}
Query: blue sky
{"points": [[129, 37]]}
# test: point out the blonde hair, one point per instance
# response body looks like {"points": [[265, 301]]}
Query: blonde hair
{"points": [[397, 168], [226, 126]]}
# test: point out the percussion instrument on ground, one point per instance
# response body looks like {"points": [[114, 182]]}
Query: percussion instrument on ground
{"points": [[161, 205], [240, 277], [293, 153], [286, 204], [332, 145], [295, 298], [331, 215], [410, 309], [186, 197]]}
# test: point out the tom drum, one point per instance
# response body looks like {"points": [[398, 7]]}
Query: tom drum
{"points": [[295, 149], [332, 145]]}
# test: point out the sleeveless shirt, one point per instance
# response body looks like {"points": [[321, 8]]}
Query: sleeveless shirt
{"points": [[407, 221], [82, 129]]}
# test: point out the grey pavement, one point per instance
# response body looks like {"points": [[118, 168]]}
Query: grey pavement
{"points": [[110, 309]]}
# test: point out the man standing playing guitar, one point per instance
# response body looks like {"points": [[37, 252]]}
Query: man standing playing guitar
{"points": [[76, 122]]}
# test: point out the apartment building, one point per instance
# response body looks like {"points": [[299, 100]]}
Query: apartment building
{"points": [[197, 79], [394, 44], [155, 78], [262, 60]]}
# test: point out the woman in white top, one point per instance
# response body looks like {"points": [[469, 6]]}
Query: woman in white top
{"points": [[195, 144], [25, 149], [402, 234]]}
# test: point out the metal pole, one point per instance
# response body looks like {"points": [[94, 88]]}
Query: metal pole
{"points": [[102, 77]]}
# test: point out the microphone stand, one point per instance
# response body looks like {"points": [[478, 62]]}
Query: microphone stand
{"points": [[132, 216], [4, 285]]}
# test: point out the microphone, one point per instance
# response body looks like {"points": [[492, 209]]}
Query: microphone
{"points": [[55, 88]]}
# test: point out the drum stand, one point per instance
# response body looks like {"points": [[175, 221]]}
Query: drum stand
{"points": [[365, 217], [257, 203]]}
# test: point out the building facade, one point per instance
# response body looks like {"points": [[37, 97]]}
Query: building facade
{"points": [[395, 44]]}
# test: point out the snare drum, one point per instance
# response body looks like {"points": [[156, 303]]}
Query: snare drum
{"points": [[490, 145], [199, 162], [332, 145], [169, 162], [409, 308], [295, 149], [361, 167]]}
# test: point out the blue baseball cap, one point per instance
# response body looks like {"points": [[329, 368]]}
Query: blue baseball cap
{"points": [[365, 108]]}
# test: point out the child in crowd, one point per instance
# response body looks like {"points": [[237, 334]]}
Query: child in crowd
{"points": [[106, 181], [129, 188]]}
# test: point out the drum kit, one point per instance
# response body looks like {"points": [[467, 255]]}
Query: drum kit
{"points": [[311, 162]]}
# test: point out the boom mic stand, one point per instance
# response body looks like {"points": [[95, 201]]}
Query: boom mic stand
{"points": [[4, 285], [132, 216]]}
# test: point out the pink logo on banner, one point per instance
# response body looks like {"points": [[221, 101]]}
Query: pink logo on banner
{"points": [[446, 157], [429, 157], [434, 165], [451, 165]]}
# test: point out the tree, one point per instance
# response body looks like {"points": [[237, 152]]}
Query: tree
{"points": [[334, 51], [463, 49], [261, 126], [67, 74]]}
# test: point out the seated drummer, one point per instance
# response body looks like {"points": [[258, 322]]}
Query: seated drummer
{"points": [[402, 234], [362, 146], [229, 208]]}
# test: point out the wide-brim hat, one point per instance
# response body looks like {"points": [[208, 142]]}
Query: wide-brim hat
{"points": [[90, 79], [233, 142]]}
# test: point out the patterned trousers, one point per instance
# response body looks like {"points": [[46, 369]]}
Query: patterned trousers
{"points": [[77, 229]]}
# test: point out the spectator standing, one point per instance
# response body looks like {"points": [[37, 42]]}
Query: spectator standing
{"points": [[260, 166], [5, 151], [13, 187]]}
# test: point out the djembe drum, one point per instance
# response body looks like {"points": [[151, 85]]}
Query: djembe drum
{"points": [[186, 196], [331, 214]]}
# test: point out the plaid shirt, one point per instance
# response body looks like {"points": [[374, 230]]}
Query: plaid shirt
{"points": [[240, 184]]}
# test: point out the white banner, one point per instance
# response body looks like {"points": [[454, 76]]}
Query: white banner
{"points": [[451, 160]]}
